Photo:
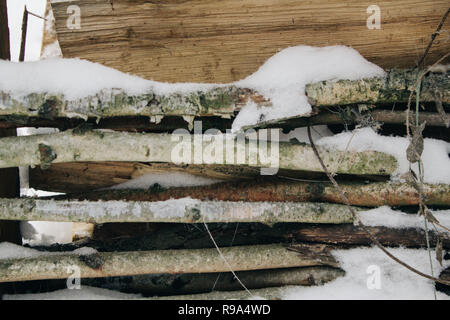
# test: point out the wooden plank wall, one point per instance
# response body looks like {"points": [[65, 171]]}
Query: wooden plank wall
{"points": [[226, 40]]}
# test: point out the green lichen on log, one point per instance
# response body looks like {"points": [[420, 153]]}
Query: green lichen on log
{"points": [[239, 258], [172, 211], [223, 100], [101, 145]]}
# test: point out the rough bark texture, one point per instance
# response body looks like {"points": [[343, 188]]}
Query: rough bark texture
{"points": [[97, 145], [211, 41], [125, 237], [167, 261], [167, 284], [178, 211], [222, 101], [327, 118], [359, 194]]}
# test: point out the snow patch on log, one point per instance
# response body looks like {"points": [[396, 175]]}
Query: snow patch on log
{"points": [[435, 154], [284, 76], [361, 266], [385, 216]]}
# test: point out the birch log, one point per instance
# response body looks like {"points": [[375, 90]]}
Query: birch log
{"points": [[174, 211], [223, 101], [100, 145], [243, 258], [373, 194]]}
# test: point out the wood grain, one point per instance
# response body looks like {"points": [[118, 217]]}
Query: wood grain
{"points": [[223, 41]]}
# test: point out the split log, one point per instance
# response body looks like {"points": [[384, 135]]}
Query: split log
{"points": [[173, 211], [224, 41], [373, 194], [222, 101], [165, 261], [98, 145], [167, 284]]}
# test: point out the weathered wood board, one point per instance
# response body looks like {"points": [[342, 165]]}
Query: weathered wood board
{"points": [[223, 41]]}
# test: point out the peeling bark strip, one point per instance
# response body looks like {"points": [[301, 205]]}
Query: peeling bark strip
{"points": [[359, 194], [221, 101], [242, 258], [100, 145], [174, 211]]}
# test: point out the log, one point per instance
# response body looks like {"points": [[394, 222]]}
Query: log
{"points": [[166, 284], [174, 211], [222, 101], [98, 145], [242, 258], [326, 118], [224, 41], [374, 194], [125, 237], [274, 293]]}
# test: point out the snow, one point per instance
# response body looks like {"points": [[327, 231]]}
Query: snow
{"points": [[396, 282], [283, 78], [165, 180], [385, 216], [436, 162], [85, 293], [14, 251]]}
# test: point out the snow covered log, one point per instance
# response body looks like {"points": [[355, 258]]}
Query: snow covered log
{"points": [[100, 145], [372, 194], [223, 101], [165, 284], [109, 264], [174, 211]]}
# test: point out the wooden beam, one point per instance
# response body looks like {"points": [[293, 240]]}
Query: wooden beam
{"points": [[243, 258], [224, 41], [98, 145]]}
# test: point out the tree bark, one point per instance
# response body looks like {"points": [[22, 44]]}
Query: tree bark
{"points": [[167, 284], [223, 101], [167, 261], [98, 145], [174, 211], [373, 194]]}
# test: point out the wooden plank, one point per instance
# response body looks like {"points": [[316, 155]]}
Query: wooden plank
{"points": [[224, 41]]}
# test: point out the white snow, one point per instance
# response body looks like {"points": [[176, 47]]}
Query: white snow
{"points": [[396, 282], [85, 293], [385, 216], [436, 162], [283, 78], [165, 180]]}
